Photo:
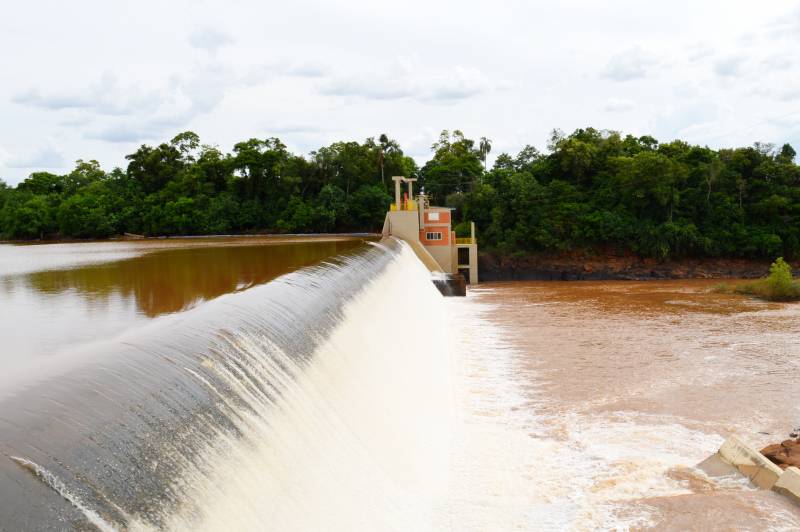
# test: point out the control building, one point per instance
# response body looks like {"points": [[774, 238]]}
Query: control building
{"points": [[428, 230]]}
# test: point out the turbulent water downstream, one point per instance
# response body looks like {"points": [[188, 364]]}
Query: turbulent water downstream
{"points": [[624, 388], [240, 386]]}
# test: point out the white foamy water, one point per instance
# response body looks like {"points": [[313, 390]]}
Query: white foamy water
{"points": [[357, 440]]}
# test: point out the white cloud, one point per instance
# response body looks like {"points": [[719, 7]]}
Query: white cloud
{"points": [[786, 25], [688, 117], [698, 51], [293, 128], [209, 39], [730, 66], [127, 133], [121, 113], [788, 94], [47, 157], [283, 69], [404, 82], [780, 62], [631, 64], [615, 105], [358, 68], [4, 156], [106, 96]]}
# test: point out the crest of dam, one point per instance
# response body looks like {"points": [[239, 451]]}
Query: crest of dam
{"points": [[319, 400]]}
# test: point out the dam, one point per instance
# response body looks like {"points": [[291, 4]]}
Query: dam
{"points": [[278, 388], [242, 412]]}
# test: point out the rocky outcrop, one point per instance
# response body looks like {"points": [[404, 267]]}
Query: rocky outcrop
{"points": [[601, 266], [784, 454]]}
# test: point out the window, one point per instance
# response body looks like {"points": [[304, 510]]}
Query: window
{"points": [[433, 216], [433, 236]]}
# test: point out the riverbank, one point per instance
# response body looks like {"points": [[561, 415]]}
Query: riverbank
{"points": [[574, 266]]}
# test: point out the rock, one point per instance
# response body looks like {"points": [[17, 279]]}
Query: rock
{"points": [[784, 454]]}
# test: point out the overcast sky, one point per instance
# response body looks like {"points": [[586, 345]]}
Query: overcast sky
{"points": [[96, 79]]}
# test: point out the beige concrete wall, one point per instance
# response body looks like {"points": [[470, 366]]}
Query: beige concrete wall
{"points": [[453, 252], [789, 483], [385, 232], [750, 462], [404, 224], [473, 261], [473, 264], [443, 256]]}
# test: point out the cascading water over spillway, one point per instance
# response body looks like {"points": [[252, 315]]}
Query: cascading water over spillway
{"points": [[320, 400]]}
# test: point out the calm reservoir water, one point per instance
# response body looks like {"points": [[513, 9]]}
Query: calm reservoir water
{"points": [[56, 297], [292, 384]]}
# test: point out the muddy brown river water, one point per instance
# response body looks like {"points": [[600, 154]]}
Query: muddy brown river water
{"points": [[625, 387]]}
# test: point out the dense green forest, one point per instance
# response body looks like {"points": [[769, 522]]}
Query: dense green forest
{"points": [[592, 189]]}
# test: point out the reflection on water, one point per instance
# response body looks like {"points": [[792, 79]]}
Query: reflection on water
{"points": [[58, 296], [176, 279]]}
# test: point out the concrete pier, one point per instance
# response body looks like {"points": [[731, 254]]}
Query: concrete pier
{"points": [[453, 284]]}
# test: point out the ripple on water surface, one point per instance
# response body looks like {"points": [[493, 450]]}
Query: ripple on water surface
{"points": [[624, 388]]}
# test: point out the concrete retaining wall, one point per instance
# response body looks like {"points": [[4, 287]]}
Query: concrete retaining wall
{"points": [[789, 483], [759, 469]]}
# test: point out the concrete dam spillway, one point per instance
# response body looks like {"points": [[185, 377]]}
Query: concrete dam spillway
{"points": [[245, 412]]}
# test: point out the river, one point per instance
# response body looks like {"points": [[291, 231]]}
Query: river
{"points": [[622, 389], [324, 384]]}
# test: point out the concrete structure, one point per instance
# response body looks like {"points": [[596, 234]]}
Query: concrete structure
{"points": [[789, 483], [750, 462], [428, 230], [761, 472]]}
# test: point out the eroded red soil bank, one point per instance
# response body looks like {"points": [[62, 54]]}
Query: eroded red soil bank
{"points": [[594, 266]]}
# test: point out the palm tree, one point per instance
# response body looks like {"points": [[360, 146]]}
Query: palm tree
{"points": [[484, 147], [385, 146]]}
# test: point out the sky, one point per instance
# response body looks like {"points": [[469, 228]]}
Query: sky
{"points": [[91, 79]]}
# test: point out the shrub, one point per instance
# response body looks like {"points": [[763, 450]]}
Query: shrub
{"points": [[777, 286]]}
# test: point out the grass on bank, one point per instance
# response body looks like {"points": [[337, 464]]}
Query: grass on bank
{"points": [[777, 286]]}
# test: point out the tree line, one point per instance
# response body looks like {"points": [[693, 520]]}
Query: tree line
{"points": [[592, 189]]}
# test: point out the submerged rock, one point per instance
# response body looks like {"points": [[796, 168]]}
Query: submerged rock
{"points": [[784, 454]]}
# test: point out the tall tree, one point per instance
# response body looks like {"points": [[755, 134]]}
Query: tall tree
{"points": [[384, 145], [455, 165], [712, 175], [484, 148]]}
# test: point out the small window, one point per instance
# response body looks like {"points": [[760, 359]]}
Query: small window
{"points": [[433, 216], [433, 236]]}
